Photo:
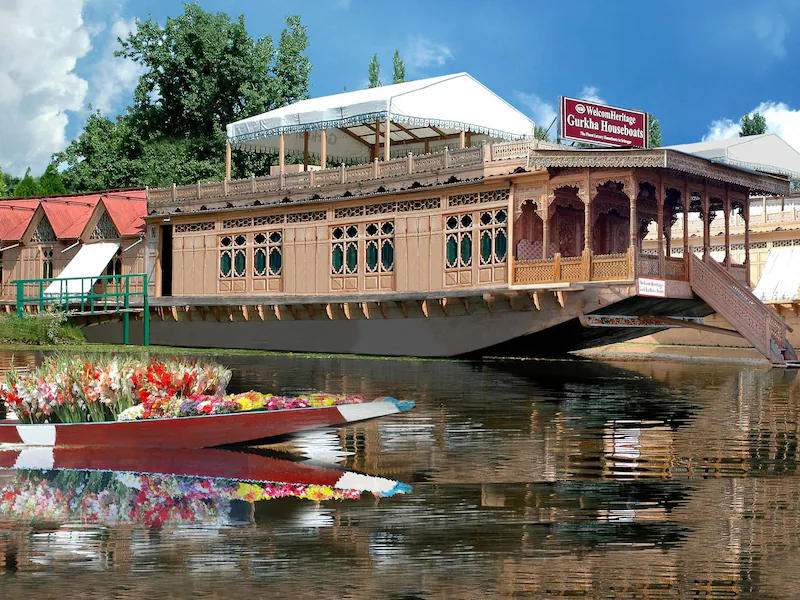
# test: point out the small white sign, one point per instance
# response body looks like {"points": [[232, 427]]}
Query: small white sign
{"points": [[655, 288]]}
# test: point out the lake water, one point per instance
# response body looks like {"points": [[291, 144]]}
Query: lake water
{"points": [[530, 479]]}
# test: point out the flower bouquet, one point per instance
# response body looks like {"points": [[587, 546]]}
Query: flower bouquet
{"points": [[74, 390]]}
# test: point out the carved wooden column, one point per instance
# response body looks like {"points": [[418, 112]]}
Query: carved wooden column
{"points": [[660, 196], [746, 215], [586, 262], [705, 205], [227, 161], [687, 198], [633, 259], [726, 207], [511, 240]]}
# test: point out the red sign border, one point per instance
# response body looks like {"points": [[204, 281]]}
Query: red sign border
{"points": [[562, 125]]}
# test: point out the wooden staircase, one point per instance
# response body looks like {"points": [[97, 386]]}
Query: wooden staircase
{"points": [[734, 301]]}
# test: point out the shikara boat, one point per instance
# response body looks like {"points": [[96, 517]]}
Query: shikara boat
{"points": [[210, 463], [205, 431]]}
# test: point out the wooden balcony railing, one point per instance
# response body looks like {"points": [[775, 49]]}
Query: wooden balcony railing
{"points": [[587, 267]]}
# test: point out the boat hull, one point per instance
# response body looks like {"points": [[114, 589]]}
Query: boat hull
{"points": [[195, 432]]}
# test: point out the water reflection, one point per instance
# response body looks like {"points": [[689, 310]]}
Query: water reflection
{"points": [[531, 478]]}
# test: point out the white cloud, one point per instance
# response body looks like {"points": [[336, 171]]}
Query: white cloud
{"points": [[40, 42], [780, 117], [112, 76], [541, 111], [591, 93], [422, 53]]}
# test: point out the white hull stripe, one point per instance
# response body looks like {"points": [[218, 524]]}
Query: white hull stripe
{"points": [[367, 410], [42, 458], [37, 435]]}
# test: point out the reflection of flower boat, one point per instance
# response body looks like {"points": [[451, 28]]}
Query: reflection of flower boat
{"points": [[196, 432], [155, 487]]}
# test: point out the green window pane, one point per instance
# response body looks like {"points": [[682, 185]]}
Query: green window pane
{"points": [[372, 256], [337, 258], [452, 251], [260, 260], [352, 258], [275, 261], [466, 250], [486, 247], [225, 264], [500, 244], [239, 263], [387, 255]]}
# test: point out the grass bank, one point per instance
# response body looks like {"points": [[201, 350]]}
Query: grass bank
{"points": [[37, 330]]}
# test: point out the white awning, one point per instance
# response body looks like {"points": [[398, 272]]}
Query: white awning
{"points": [[780, 279], [422, 110], [90, 262]]}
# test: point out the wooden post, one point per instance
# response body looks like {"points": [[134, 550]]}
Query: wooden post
{"points": [[706, 223], [281, 153], [660, 221], [686, 200], [387, 140], [463, 139], [747, 239], [377, 148], [323, 156], [545, 240], [634, 224], [305, 151], [510, 235], [228, 161], [726, 207]]}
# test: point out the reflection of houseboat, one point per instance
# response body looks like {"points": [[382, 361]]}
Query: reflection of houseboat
{"points": [[452, 232]]}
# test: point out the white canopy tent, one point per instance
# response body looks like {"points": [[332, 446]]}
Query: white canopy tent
{"points": [[420, 115], [780, 279]]}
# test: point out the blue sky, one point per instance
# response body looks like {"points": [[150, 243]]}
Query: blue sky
{"points": [[697, 66]]}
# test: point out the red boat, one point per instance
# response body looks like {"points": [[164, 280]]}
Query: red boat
{"points": [[201, 463], [196, 432]]}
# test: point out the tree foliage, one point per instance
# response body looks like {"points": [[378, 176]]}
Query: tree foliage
{"points": [[753, 125], [399, 71], [540, 133], [50, 183], [27, 188], [654, 131], [202, 71], [374, 72], [3, 185]]}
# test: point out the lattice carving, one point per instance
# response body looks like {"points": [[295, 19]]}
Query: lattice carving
{"points": [[610, 266], [420, 204], [105, 229], [463, 199], [533, 271], [348, 212], [479, 197], [194, 227], [44, 232], [268, 220], [305, 217], [237, 223]]}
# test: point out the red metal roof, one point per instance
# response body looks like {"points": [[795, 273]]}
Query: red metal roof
{"points": [[69, 215], [15, 216]]}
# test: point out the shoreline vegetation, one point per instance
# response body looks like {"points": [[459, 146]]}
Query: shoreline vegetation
{"points": [[40, 329]]}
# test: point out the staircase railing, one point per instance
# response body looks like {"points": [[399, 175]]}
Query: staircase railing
{"points": [[740, 307]]}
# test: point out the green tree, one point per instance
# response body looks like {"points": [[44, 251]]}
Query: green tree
{"points": [[202, 71], [654, 131], [50, 183], [27, 188], [755, 125], [540, 133], [374, 72], [3, 185], [399, 72]]}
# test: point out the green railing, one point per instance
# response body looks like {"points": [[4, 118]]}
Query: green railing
{"points": [[105, 294]]}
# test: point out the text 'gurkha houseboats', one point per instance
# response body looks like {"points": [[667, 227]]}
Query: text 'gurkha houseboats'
{"points": [[451, 232]]}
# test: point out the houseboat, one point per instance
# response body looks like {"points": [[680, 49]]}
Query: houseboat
{"points": [[434, 224]]}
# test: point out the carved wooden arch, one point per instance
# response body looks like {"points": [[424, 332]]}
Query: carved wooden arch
{"points": [[523, 194]]}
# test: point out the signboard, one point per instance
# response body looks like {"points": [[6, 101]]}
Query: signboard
{"points": [[654, 288], [602, 125]]}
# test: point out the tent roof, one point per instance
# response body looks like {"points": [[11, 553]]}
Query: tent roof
{"points": [[780, 279], [426, 109], [767, 152]]}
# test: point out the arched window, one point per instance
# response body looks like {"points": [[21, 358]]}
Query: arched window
{"points": [[47, 263], [114, 267]]}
